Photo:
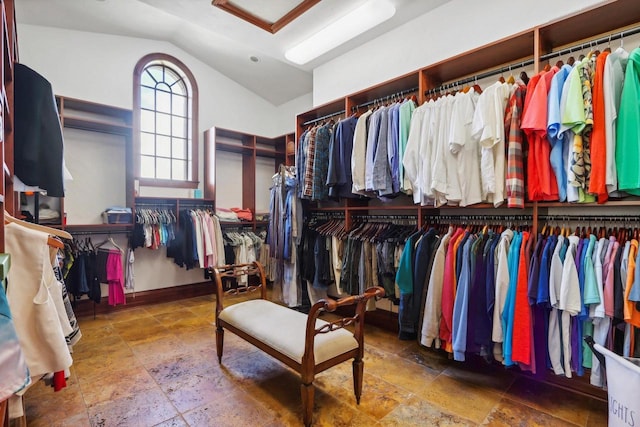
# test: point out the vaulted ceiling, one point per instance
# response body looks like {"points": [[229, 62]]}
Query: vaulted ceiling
{"points": [[219, 38]]}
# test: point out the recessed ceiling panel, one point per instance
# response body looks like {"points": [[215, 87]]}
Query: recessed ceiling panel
{"points": [[269, 11], [271, 16]]}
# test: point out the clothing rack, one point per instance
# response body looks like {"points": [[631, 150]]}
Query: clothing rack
{"points": [[594, 218], [595, 42], [383, 217], [388, 97], [480, 76], [155, 205], [88, 233], [319, 119]]}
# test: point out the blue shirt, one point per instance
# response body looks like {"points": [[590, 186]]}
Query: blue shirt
{"points": [[508, 312], [393, 140], [461, 304], [557, 140]]}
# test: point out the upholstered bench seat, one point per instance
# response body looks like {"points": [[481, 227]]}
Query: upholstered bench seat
{"points": [[284, 330], [303, 342]]}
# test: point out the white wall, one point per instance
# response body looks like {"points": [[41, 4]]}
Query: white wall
{"points": [[451, 29], [99, 68]]}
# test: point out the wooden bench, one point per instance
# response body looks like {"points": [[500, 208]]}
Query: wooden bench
{"points": [[303, 342]]}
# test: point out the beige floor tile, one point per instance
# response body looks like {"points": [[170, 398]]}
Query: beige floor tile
{"points": [[512, 414], [127, 314], [415, 412], [554, 401], [146, 408], [460, 398], [122, 383]]}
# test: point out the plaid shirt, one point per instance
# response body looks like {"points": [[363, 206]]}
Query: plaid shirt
{"points": [[307, 190], [515, 148]]}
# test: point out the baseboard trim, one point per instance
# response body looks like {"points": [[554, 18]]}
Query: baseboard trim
{"points": [[86, 307]]}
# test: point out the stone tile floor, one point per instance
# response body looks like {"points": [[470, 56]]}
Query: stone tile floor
{"points": [[156, 366]]}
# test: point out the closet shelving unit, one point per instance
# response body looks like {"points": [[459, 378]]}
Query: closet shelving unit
{"points": [[250, 148], [606, 19], [526, 47], [9, 47], [173, 204], [94, 117]]}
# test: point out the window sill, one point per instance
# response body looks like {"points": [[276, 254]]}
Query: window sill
{"points": [[149, 182]]}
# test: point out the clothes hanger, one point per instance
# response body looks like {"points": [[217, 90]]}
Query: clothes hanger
{"points": [[52, 231]]}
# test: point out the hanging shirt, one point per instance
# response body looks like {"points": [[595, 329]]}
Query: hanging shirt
{"points": [[557, 138], [597, 185], [465, 149], [628, 128], [613, 79], [339, 174], [461, 304], [373, 133], [534, 124], [569, 300], [488, 127], [515, 150], [501, 288], [393, 146], [411, 159], [405, 113], [631, 312], [358, 155], [555, 283], [433, 302]]}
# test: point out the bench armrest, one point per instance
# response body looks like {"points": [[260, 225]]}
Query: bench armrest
{"points": [[331, 305], [236, 271]]}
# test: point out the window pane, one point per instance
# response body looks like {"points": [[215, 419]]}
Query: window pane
{"points": [[179, 105], [147, 80], [179, 171], [147, 145], [179, 127], [147, 123], [146, 98], [170, 76], [163, 146], [163, 124], [163, 168], [179, 148], [179, 88], [163, 101], [147, 167], [156, 72]]}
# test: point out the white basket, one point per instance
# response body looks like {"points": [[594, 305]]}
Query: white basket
{"points": [[623, 384]]}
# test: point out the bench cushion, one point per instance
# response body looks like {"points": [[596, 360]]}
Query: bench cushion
{"points": [[284, 330]]}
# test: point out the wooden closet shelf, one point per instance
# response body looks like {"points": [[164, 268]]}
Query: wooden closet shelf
{"points": [[269, 152], [612, 203], [92, 227], [233, 148], [97, 126]]}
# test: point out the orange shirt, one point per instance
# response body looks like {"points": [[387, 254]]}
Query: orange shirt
{"points": [[598, 185], [542, 181], [631, 313]]}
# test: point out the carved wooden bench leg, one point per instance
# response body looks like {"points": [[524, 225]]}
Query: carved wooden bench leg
{"points": [[219, 342], [358, 370], [307, 403]]}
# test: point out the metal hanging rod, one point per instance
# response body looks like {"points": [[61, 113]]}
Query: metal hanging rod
{"points": [[319, 119], [480, 76], [388, 97], [155, 205], [383, 217], [596, 218], [606, 39], [87, 233]]}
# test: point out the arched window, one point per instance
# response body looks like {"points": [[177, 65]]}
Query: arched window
{"points": [[165, 99]]}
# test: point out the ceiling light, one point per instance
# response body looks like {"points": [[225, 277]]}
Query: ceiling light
{"points": [[354, 23]]}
